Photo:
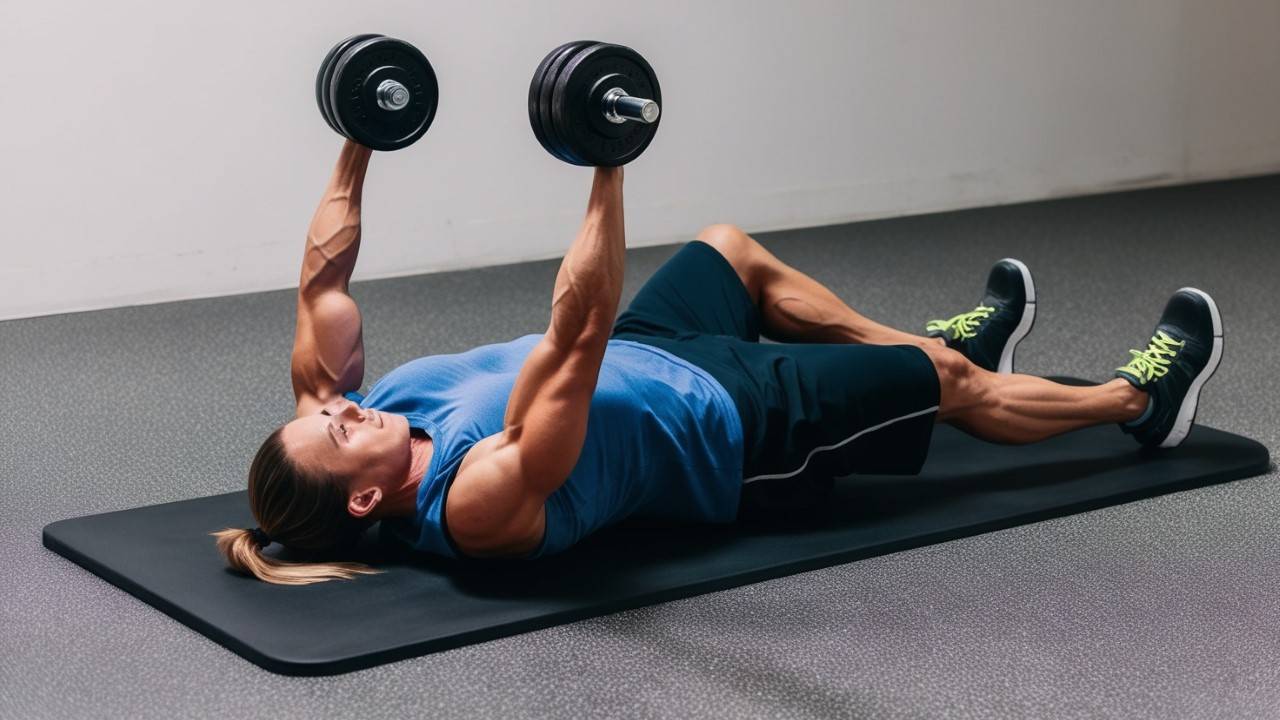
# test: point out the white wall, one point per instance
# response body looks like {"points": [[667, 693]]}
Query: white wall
{"points": [[160, 150]]}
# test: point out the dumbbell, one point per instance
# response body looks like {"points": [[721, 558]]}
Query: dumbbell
{"points": [[593, 103], [378, 91]]}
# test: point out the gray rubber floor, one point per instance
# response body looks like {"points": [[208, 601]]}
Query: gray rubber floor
{"points": [[1167, 608]]}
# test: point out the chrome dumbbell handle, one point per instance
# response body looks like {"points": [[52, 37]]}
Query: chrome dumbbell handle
{"points": [[619, 107], [392, 95]]}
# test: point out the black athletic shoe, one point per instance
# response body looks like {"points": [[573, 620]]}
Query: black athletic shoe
{"points": [[989, 333], [1184, 351]]}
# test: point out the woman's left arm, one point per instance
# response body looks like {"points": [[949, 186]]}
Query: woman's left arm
{"points": [[328, 346]]}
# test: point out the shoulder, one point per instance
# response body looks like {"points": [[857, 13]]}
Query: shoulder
{"points": [[490, 510]]}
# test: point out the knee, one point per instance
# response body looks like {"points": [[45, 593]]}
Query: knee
{"points": [[730, 240], [739, 248], [958, 379], [951, 363]]}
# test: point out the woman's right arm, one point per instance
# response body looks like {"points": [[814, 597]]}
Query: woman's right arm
{"points": [[328, 347], [496, 505]]}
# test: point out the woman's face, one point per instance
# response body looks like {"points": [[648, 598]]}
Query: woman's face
{"points": [[362, 445]]}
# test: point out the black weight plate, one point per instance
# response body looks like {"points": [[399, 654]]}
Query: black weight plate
{"points": [[324, 67], [325, 75], [535, 86], [564, 141], [554, 62], [357, 104], [580, 119], [574, 117], [535, 92], [353, 93], [557, 64], [558, 138]]}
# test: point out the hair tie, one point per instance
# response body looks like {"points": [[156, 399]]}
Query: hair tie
{"points": [[260, 537]]}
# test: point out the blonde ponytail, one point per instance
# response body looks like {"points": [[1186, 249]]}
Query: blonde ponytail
{"points": [[304, 511], [244, 554]]}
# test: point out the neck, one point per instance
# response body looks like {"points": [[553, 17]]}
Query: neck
{"points": [[403, 500]]}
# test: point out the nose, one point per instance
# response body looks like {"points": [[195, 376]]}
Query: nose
{"points": [[347, 410], [352, 411]]}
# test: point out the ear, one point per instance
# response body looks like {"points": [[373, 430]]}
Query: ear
{"points": [[362, 502]]}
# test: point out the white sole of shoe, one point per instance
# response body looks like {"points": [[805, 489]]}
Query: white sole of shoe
{"points": [[1024, 325], [1187, 413]]}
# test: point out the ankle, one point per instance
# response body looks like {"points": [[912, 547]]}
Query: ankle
{"points": [[1132, 401]]}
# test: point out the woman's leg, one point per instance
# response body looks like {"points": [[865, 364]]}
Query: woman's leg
{"points": [[793, 306], [1023, 408], [1008, 408]]}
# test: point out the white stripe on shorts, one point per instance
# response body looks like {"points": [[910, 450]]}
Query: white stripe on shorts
{"points": [[842, 443]]}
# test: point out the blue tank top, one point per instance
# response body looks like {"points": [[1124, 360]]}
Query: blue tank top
{"points": [[664, 440]]}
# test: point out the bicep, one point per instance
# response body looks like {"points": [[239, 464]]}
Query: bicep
{"points": [[328, 350]]}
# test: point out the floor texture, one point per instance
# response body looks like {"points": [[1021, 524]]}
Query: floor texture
{"points": [[1158, 609]]}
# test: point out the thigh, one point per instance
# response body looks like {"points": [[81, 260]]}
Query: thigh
{"points": [[815, 412], [696, 292]]}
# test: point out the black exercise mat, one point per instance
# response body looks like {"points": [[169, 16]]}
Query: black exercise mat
{"points": [[163, 555]]}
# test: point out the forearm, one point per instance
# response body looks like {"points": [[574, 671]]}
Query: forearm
{"points": [[589, 284], [501, 487], [546, 417], [333, 240]]}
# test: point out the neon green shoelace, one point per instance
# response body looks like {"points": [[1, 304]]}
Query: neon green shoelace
{"points": [[964, 325], [1154, 362]]}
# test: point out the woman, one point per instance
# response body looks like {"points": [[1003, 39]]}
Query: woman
{"points": [[521, 449]]}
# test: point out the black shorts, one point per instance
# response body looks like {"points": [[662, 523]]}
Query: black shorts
{"points": [[810, 412]]}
